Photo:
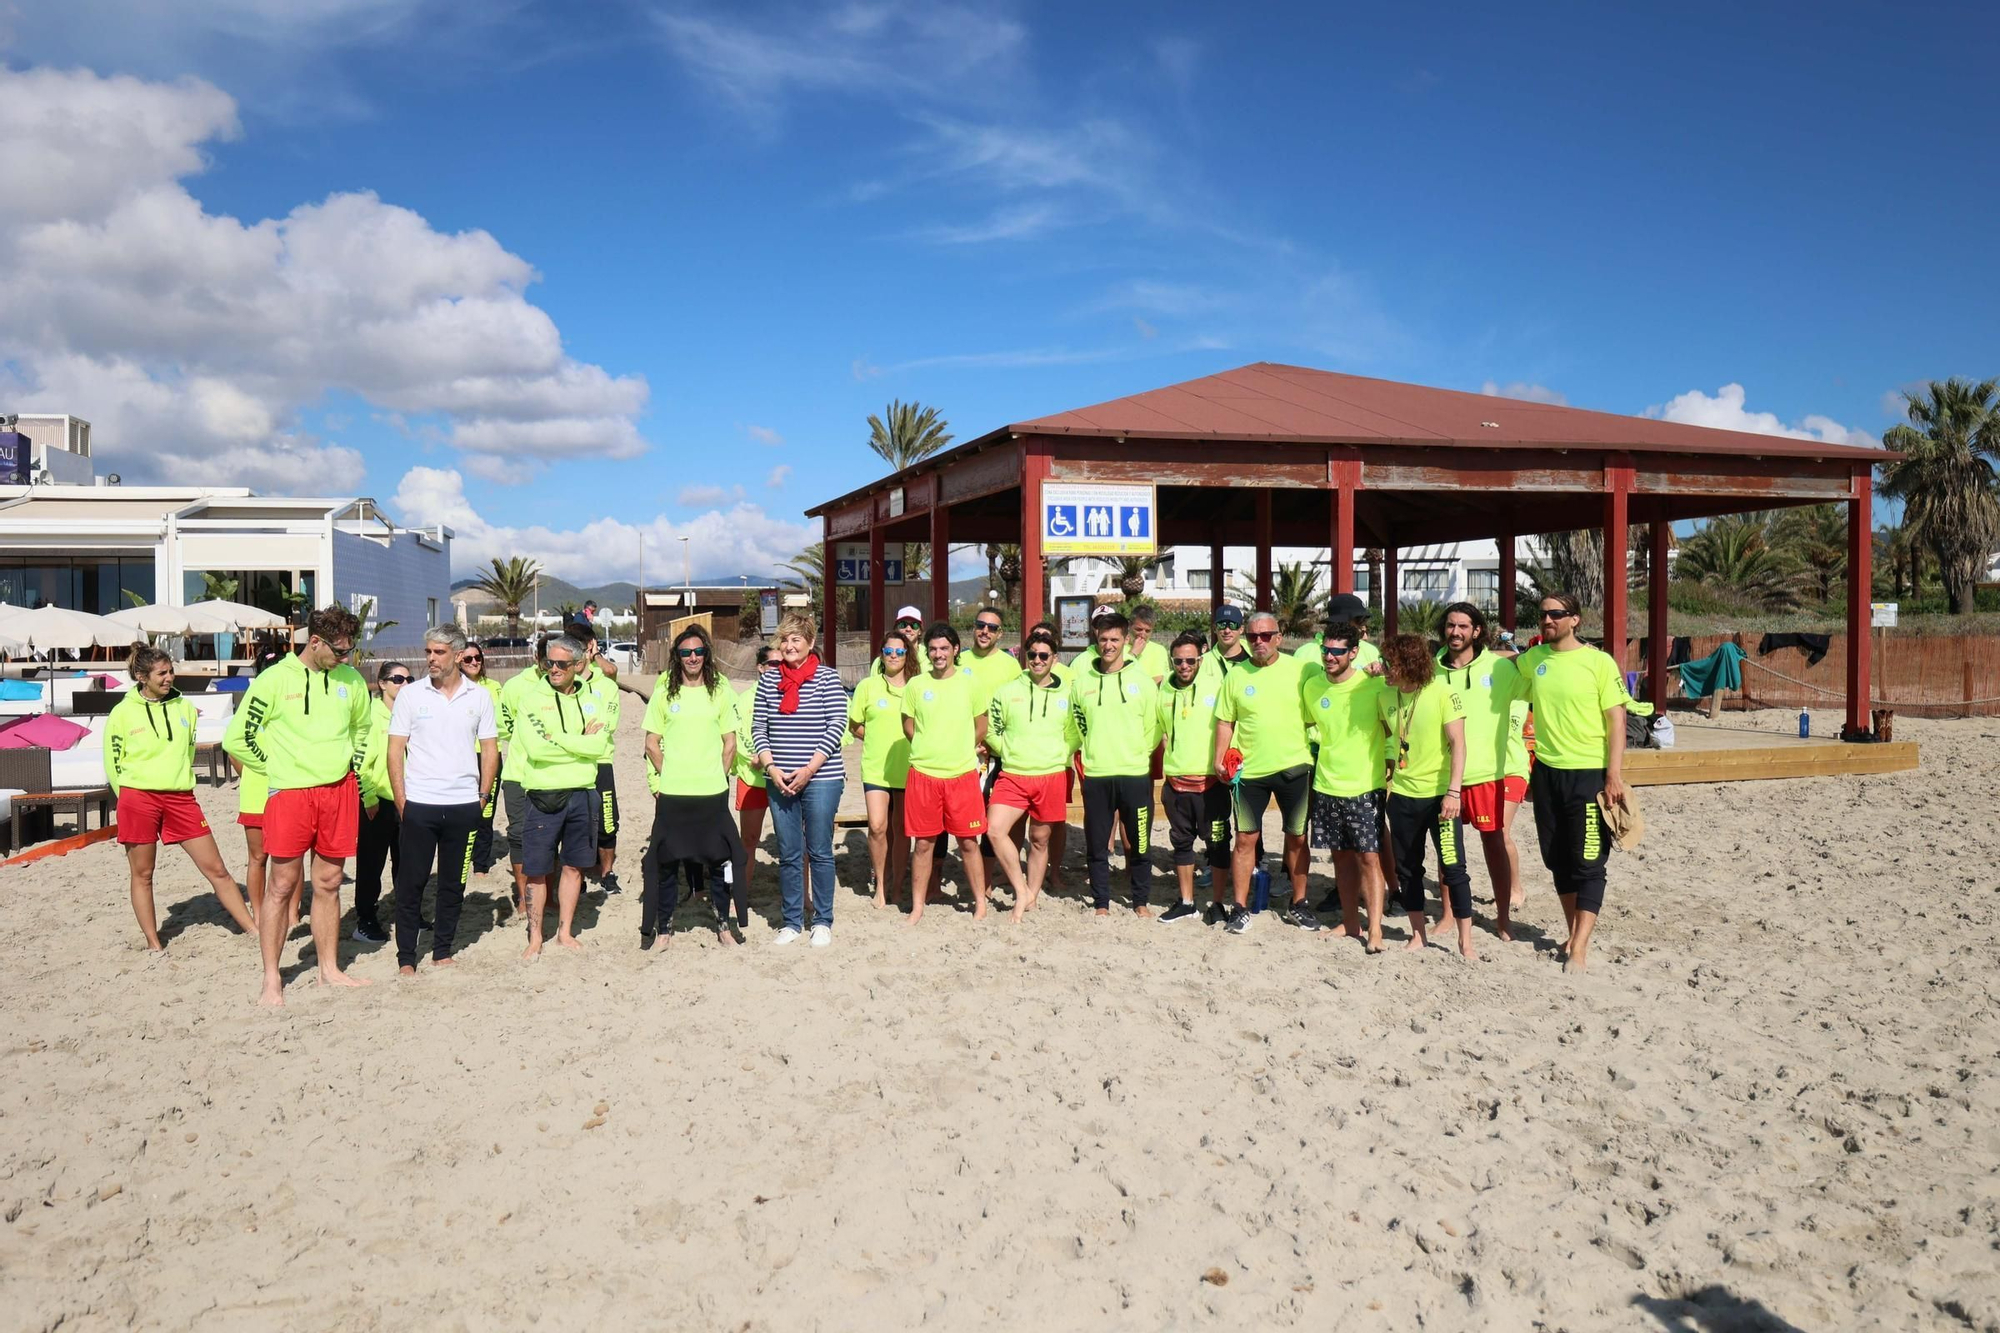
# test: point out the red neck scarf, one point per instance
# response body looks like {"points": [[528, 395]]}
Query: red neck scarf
{"points": [[791, 677]]}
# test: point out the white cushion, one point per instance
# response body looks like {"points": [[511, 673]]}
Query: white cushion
{"points": [[7, 795]]}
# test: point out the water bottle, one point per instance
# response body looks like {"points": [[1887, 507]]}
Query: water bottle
{"points": [[1805, 724], [1260, 888]]}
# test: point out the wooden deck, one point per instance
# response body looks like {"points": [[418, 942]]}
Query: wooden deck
{"points": [[1728, 754]]}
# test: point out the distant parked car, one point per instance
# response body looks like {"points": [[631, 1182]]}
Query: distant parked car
{"points": [[625, 655], [503, 641]]}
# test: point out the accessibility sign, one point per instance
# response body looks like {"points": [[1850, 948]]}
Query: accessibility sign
{"points": [[1099, 518], [850, 563]]}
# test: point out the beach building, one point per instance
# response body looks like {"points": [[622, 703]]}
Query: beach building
{"points": [[82, 541], [1440, 572]]}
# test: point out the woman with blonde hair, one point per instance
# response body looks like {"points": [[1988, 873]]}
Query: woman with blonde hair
{"points": [[149, 764], [799, 721]]}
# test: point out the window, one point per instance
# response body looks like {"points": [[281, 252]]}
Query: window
{"points": [[1482, 588], [1198, 580], [1432, 584], [1362, 583], [431, 613]]}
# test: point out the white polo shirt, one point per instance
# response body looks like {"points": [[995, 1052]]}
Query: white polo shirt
{"points": [[441, 765]]}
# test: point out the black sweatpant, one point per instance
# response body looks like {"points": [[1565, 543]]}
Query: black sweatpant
{"points": [[440, 833], [1204, 813], [377, 844], [660, 876], [1570, 829], [1127, 799], [1410, 818], [482, 836]]}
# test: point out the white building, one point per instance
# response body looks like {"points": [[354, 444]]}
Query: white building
{"points": [[87, 545], [1462, 571]]}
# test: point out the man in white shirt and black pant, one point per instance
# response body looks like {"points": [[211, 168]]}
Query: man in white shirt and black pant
{"points": [[444, 756]]}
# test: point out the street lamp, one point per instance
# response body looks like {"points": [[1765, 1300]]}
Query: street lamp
{"points": [[687, 567]]}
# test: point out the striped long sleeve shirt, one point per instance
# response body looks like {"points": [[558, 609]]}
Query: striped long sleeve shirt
{"points": [[818, 728]]}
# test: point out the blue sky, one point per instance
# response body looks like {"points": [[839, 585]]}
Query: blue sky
{"points": [[576, 278]]}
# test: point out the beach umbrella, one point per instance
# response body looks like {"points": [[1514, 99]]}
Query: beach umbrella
{"points": [[54, 627], [229, 617], [159, 620]]}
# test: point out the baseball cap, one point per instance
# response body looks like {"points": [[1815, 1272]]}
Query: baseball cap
{"points": [[908, 613], [1104, 611], [1345, 608], [1229, 615]]}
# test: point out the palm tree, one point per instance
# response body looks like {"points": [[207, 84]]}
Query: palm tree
{"points": [[1734, 553], [1010, 576], [1372, 557], [510, 583], [1132, 571], [1816, 537], [1296, 598], [1424, 616], [1946, 480], [1571, 562], [218, 588], [911, 432], [808, 570], [1901, 556]]}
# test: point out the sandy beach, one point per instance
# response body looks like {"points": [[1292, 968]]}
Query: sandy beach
{"points": [[1772, 1104]]}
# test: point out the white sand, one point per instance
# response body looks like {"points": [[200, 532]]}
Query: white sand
{"points": [[1773, 1099]]}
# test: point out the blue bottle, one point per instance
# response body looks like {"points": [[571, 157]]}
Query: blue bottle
{"points": [[1805, 724], [1260, 888]]}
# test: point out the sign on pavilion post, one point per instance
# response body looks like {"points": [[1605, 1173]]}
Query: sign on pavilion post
{"points": [[1100, 518], [850, 563]]}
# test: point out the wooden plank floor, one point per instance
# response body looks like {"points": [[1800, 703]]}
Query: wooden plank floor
{"points": [[1727, 754]]}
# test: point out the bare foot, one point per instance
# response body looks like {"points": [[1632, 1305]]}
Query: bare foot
{"points": [[569, 941], [880, 902], [1352, 932], [979, 911], [406, 971], [1520, 895], [1446, 922], [1027, 903], [1104, 911], [532, 952], [1142, 910], [334, 978], [444, 962], [723, 936], [1374, 944], [1501, 930], [1416, 943], [1576, 965], [1014, 917], [273, 997]]}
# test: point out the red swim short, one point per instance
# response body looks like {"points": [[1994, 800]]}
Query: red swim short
{"points": [[1044, 797], [249, 820], [943, 805], [323, 820], [147, 817], [1480, 804], [751, 798]]}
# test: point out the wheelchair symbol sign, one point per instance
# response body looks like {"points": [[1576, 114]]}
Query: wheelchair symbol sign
{"points": [[1062, 521]]}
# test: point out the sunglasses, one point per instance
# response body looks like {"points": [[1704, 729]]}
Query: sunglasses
{"points": [[913, 624], [348, 651], [397, 680], [895, 652], [1261, 635], [690, 652], [1041, 657], [472, 657], [561, 666], [1555, 615], [1187, 661], [1331, 651], [991, 626]]}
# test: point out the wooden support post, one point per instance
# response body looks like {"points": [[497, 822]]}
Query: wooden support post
{"points": [[1860, 581], [940, 560], [1392, 589], [1215, 578], [829, 630], [1658, 646], [878, 592], [1617, 576], [1343, 477], [1509, 576], [1263, 550], [1034, 592]]}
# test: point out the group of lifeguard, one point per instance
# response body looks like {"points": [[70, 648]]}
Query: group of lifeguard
{"points": [[1366, 755]]}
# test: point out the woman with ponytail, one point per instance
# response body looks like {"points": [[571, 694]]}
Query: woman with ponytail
{"points": [[149, 764]]}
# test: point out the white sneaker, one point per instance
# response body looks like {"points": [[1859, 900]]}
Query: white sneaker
{"points": [[786, 936], [822, 936]]}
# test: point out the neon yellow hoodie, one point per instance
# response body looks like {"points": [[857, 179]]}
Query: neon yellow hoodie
{"points": [[149, 743], [508, 714], [304, 728], [1032, 728], [605, 691], [1118, 714], [549, 739], [374, 770], [253, 789]]}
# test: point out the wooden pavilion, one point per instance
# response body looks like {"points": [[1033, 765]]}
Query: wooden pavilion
{"points": [[1273, 455]]}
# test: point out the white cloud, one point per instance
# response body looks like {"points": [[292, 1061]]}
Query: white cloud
{"points": [[188, 337], [694, 497], [1521, 389], [1726, 411], [763, 435], [888, 49], [740, 540], [779, 476], [1006, 224]]}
